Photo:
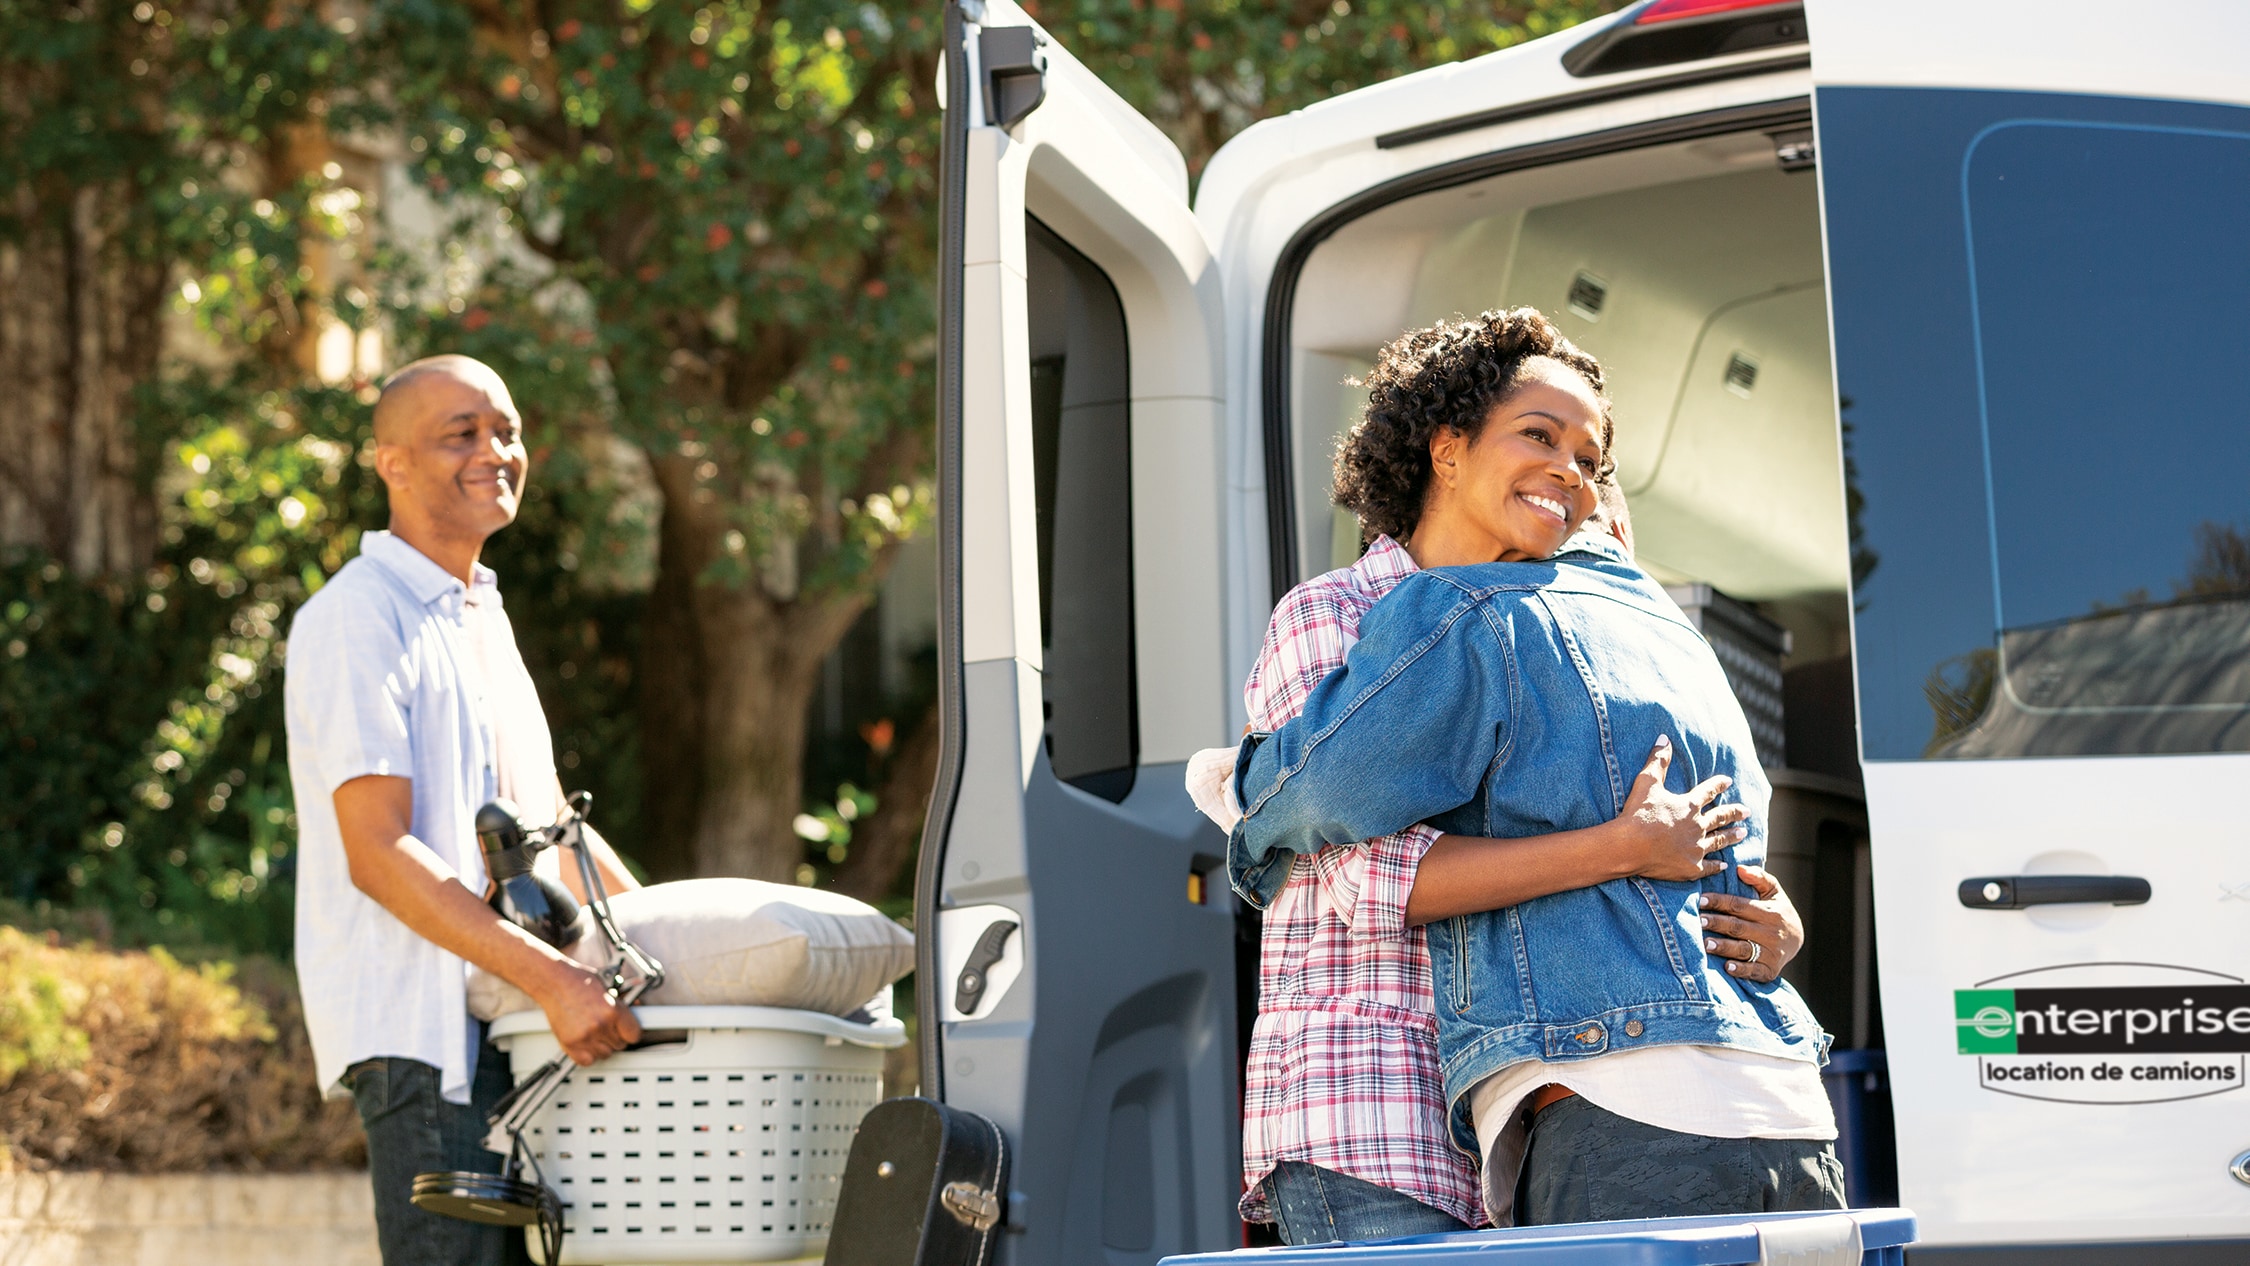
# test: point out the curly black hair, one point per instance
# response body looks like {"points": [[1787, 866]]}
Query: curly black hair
{"points": [[1452, 374]]}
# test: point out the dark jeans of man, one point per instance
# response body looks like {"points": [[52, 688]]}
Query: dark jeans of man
{"points": [[411, 1130], [1588, 1165], [1320, 1206]]}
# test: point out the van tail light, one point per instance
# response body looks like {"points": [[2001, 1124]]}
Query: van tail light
{"points": [[1675, 10], [1670, 32]]}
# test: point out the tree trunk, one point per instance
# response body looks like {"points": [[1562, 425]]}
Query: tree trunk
{"points": [[756, 685], [884, 845], [728, 672], [80, 328], [670, 682]]}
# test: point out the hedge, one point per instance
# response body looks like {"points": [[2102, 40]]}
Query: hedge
{"points": [[134, 1061]]}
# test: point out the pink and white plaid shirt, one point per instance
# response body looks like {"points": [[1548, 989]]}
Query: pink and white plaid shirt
{"points": [[1343, 1068]]}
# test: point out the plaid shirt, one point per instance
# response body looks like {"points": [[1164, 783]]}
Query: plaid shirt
{"points": [[1343, 1068]]}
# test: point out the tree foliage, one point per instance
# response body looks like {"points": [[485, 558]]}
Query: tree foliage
{"points": [[714, 291], [157, 512], [736, 199]]}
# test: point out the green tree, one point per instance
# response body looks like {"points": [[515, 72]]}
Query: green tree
{"points": [[168, 216], [733, 210], [138, 141], [739, 197], [741, 194]]}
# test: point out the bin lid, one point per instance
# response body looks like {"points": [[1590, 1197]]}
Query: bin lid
{"points": [[882, 1034], [1753, 1239]]}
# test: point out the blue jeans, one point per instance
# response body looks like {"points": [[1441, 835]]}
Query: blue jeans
{"points": [[1320, 1206], [411, 1130]]}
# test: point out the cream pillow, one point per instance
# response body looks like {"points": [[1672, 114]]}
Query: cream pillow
{"points": [[739, 942]]}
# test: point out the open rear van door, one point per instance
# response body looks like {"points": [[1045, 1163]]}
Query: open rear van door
{"points": [[2037, 271], [1076, 981]]}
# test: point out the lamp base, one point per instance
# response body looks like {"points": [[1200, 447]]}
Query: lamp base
{"points": [[493, 1199]]}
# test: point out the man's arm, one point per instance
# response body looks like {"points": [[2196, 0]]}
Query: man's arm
{"points": [[376, 815]]}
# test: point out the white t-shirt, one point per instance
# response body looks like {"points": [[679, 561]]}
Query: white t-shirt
{"points": [[1714, 1091], [385, 676]]}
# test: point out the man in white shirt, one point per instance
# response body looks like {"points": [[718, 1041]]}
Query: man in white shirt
{"points": [[409, 708]]}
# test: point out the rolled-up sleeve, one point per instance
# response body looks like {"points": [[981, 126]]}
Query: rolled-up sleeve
{"points": [[347, 692], [1367, 883]]}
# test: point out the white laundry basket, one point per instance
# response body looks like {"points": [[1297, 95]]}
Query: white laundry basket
{"points": [[722, 1139]]}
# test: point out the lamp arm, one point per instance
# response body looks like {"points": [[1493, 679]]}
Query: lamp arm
{"points": [[631, 973]]}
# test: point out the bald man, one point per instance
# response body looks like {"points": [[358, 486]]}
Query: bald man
{"points": [[409, 708]]}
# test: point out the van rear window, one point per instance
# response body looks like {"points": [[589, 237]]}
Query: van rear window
{"points": [[2049, 419]]}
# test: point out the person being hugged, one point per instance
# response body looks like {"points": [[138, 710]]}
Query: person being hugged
{"points": [[1483, 440]]}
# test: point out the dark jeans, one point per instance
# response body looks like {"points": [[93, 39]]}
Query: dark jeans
{"points": [[412, 1130], [1320, 1206], [1588, 1165]]}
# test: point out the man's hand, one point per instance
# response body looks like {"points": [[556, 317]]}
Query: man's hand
{"points": [[587, 1024], [1732, 925], [1661, 835], [375, 814]]}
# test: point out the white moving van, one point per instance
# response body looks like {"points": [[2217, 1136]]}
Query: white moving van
{"points": [[1929, 328]]}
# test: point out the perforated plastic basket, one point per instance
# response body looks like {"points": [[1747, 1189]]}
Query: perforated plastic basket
{"points": [[722, 1139]]}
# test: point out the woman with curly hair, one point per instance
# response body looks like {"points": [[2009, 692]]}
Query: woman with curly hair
{"points": [[1487, 440]]}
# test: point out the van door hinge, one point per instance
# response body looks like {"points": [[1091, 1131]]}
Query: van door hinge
{"points": [[972, 1206], [1794, 150], [1015, 73]]}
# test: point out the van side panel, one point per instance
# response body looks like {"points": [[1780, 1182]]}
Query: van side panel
{"points": [[2039, 320]]}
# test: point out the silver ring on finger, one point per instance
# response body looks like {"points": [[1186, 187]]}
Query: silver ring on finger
{"points": [[1755, 950]]}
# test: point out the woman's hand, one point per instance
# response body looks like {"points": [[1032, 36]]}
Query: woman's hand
{"points": [[1732, 926], [1661, 835]]}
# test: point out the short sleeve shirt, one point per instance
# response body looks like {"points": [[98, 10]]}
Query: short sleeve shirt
{"points": [[397, 668]]}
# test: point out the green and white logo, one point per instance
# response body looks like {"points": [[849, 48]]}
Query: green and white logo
{"points": [[1985, 1021], [2068, 1041]]}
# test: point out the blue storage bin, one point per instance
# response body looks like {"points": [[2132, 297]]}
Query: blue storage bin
{"points": [[1750, 1239], [1859, 1086]]}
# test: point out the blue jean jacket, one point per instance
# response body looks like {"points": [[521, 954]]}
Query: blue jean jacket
{"points": [[1520, 699]]}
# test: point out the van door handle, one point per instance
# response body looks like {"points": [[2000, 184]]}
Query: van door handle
{"points": [[2014, 892], [968, 990]]}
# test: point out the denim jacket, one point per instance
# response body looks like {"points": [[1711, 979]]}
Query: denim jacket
{"points": [[1512, 700]]}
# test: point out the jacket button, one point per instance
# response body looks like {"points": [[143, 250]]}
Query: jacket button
{"points": [[1632, 1028], [1592, 1034]]}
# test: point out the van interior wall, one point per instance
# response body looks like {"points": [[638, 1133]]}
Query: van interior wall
{"points": [[1694, 272]]}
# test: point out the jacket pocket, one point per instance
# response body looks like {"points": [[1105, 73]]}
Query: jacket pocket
{"points": [[1684, 952], [1462, 958]]}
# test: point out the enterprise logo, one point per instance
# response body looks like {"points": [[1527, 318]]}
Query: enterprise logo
{"points": [[2132, 1020]]}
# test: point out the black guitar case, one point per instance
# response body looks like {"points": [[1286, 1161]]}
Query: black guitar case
{"points": [[925, 1185]]}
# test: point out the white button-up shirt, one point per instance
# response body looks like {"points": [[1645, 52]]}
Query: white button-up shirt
{"points": [[383, 678]]}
